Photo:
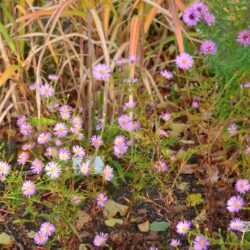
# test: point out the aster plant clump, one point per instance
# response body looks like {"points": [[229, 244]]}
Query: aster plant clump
{"points": [[152, 150]]}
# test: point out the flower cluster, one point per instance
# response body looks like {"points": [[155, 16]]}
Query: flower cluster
{"points": [[42, 236], [236, 203], [127, 123], [182, 228], [120, 146], [196, 12]]}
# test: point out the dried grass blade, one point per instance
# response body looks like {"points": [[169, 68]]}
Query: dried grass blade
{"points": [[150, 16], [177, 25]]}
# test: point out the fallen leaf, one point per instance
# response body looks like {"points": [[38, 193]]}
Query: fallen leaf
{"points": [[213, 173], [83, 219], [144, 227], [159, 226], [6, 240], [177, 129], [183, 186], [113, 221], [31, 234], [194, 199], [83, 247], [189, 169], [112, 208], [201, 217], [187, 142]]}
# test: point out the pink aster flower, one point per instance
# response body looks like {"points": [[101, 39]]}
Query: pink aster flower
{"points": [[47, 228], [79, 136], [232, 129], [76, 200], [153, 248], [53, 107], [65, 112], [129, 105], [208, 47], [51, 152], [195, 105], [53, 170], [101, 200], [26, 129], [119, 139], [242, 186], [209, 18], [100, 124], [84, 168], [120, 149], [96, 141], [77, 123], [60, 130], [175, 243], [191, 16], [28, 188], [108, 173], [35, 86], [245, 85], [235, 203], [135, 80], [63, 154], [21, 120], [28, 146], [161, 167], [100, 239], [244, 37], [183, 227], [101, 72], [4, 168], [43, 138], [46, 90], [53, 77], [166, 74], [122, 61], [133, 126], [201, 243], [200, 7], [166, 116], [37, 166], [23, 157], [58, 142], [132, 58], [236, 224], [184, 61], [40, 238], [78, 151], [123, 121], [163, 133]]}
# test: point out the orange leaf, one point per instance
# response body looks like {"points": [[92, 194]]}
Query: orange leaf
{"points": [[151, 16], [177, 25]]}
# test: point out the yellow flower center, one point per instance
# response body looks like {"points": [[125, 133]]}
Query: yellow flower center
{"points": [[102, 72], [202, 243], [184, 61], [100, 240], [236, 204]]}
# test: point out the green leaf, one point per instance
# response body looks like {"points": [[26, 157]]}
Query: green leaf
{"points": [[111, 222], [194, 199], [159, 226], [7, 38], [41, 122], [119, 170]]}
